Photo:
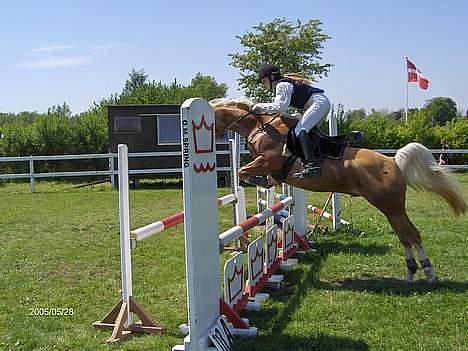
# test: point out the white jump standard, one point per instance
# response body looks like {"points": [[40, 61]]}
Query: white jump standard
{"points": [[207, 327]]}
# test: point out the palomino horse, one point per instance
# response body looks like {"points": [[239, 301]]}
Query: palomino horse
{"points": [[381, 180]]}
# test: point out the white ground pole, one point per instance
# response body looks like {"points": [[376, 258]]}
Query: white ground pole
{"points": [[239, 210], [234, 170], [125, 244], [333, 130], [240, 213], [201, 221]]}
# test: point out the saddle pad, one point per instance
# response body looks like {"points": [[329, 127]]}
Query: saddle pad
{"points": [[325, 146]]}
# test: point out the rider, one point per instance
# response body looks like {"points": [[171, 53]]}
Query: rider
{"points": [[294, 90]]}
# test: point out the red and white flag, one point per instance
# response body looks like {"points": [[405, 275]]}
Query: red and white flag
{"points": [[415, 75]]}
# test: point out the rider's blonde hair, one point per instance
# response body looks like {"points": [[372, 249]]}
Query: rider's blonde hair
{"points": [[299, 78]]}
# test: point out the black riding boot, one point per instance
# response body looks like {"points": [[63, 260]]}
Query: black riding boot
{"points": [[311, 167]]}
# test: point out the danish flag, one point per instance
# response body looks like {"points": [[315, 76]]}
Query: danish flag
{"points": [[415, 75]]}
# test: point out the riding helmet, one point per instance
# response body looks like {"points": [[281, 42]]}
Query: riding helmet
{"points": [[269, 70]]}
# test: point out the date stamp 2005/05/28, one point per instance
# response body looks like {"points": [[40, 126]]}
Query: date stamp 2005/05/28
{"points": [[50, 311]]}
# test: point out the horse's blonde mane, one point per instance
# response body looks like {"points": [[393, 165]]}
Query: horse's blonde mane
{"points": [[242, 102]]}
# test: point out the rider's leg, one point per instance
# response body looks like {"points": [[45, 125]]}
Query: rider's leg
{"points": [[311, 166], [318, 109]]}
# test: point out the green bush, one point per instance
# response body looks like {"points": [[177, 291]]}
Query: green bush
{"points": [[382, 132]]}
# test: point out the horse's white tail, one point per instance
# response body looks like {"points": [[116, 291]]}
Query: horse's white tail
{"points": [[420, 171]]}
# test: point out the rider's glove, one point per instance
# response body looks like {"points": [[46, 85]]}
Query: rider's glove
{"points": [[257, 108]]}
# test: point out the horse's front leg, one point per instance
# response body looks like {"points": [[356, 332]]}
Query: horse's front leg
{"points": [[255, 173]]}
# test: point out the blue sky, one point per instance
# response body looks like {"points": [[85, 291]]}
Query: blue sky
{"points": [[81, 51]]}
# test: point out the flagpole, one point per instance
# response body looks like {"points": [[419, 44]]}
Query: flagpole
{"points": [[406, 100]]}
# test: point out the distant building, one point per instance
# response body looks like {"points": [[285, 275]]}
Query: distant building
{"points": [[153, 128]]}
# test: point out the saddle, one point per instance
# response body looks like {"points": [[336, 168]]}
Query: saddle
{"points": [[325, 146]]}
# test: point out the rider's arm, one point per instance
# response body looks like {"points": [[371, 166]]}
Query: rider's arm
{"points": [[281, 102]]}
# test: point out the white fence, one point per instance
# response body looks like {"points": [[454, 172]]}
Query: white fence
{"points": [[111, 172]]}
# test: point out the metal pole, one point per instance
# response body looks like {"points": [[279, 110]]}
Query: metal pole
{"points": [[406, 100], [31, 173]]}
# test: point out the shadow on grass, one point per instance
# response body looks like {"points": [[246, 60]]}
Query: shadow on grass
{"points": [[334, 247], [290, 343], [274, 320], [393, 286], [157, 184]]}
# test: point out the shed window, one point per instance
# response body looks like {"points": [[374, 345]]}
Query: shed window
{"points": [[127, 125], [168, 129]]}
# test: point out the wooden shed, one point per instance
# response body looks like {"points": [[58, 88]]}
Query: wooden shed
{"points": [[153, 128]]}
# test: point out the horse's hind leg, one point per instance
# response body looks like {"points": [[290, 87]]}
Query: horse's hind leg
{"points": [[409, 237]]}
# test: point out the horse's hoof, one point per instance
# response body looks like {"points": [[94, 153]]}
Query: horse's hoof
{"points": [[433, 280], [261, 181], [410, 278]]}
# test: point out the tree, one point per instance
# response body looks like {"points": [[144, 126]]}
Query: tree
{"points": [[135, 81], [207, 87], [441, 110], [60, 110], [356, 115], [153, 92], [294, 47]]}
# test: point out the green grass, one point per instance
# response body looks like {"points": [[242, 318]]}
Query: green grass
{"points": [[60, 249]]}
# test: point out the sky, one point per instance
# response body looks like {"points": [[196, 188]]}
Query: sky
{"points": [[78, 52]]}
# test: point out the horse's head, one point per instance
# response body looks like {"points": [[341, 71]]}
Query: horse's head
{"points": [[228, 112]]}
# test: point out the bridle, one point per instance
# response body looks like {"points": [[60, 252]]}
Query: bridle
{"points": [[236, 122], [258, 130]]}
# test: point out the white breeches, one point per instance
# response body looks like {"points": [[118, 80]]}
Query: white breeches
{"points": [[317, 108]]}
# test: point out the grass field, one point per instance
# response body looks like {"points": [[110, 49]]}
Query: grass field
{"points": [[59, 249]]}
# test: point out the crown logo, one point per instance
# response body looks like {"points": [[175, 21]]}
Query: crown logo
{"points": [[258, 255], [272, 248], [203, 136], [237, 277]]}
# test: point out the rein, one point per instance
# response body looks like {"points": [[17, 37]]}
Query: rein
{"points": [[258, 130], [238, 120]]}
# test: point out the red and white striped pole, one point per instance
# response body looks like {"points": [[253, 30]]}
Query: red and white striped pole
{"points": [[238, 230], [171, 221]]}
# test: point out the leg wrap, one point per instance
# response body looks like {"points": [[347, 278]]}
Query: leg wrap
{"points": [[425, 263], [412, 265]]}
